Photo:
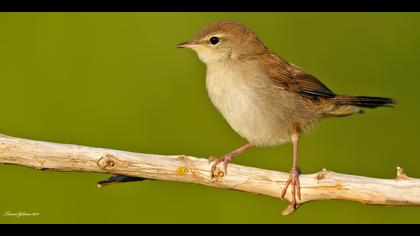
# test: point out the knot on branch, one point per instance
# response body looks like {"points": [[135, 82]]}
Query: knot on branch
{"points": [[321, 175], [106, 161]]}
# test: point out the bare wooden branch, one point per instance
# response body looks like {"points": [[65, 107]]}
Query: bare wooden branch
{"points": [[402, 190]]}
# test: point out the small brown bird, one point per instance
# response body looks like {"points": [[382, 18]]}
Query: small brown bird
{"points": [[265, 99]]}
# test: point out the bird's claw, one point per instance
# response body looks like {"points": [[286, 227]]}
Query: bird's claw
{"points": [[217, 160], [295, 182]]}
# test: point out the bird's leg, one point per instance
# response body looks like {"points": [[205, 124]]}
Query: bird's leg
{"points": [[294, 174], [226, 159]]}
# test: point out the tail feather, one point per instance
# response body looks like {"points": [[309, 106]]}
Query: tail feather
{"points": [[364, 101]]}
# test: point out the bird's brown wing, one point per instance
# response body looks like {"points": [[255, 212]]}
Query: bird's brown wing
{"points": [[295, 79], [306, 84]]}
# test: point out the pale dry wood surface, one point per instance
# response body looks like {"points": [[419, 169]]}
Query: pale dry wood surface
{"points": [[324, 185]]}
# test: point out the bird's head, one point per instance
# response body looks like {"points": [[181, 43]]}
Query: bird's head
{"points": [[224, 40]]}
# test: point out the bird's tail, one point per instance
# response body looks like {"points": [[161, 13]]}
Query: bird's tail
{"points": [[118, 179], [348, 105], [364, 101]]}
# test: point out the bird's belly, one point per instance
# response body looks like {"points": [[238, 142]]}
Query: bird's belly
{"points": [[245, 111]]}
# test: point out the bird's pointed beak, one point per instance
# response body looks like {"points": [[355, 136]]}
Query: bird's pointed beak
{"points": [[184, 45]]}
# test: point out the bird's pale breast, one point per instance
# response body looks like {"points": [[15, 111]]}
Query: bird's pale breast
{"points": [[239, 93]]}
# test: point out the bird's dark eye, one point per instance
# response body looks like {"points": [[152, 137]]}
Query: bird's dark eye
{"points": [[214, 40]]}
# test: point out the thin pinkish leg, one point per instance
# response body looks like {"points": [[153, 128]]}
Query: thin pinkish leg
{"points": [[294, 174]]}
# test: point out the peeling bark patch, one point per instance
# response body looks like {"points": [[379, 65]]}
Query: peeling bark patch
{"points": [[181, 158], [332, 187]]}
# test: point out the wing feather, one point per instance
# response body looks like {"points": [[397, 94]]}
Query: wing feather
{"points": [[295, 79]]}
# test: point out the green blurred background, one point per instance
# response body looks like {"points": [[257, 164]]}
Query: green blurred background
{"points": [[116, 80]]}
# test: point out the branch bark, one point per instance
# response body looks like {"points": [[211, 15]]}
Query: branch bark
{"points": [[323, 185]]}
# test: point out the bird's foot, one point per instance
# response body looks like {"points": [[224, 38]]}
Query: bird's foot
{"points": [[294, 181], [226, 159]]}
